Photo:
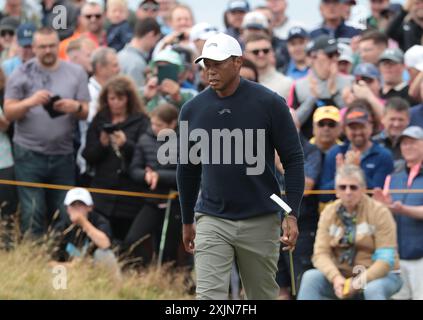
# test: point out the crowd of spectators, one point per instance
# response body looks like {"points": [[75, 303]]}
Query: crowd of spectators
{"points": [[83, 105]]}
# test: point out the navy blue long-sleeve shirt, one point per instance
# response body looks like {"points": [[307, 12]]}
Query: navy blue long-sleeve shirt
{"points": [[227, 191]]}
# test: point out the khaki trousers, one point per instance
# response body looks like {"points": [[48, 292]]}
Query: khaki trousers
{"points": [[254, 243]]}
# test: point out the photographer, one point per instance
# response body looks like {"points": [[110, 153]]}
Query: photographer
{"points": [[366, 86], [110, 146], [164, 85], [181, 22], [407, 26]]}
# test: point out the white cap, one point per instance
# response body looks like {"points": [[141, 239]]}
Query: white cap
{"points": [[413, 57], [220, 47], [78, 194], [345, 53], [202, 31], [255, 20]]}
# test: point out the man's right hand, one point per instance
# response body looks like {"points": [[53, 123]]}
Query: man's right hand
{"points": [[338, 286], [407, 5], [40, 97], [188, 236], [151, 88]]}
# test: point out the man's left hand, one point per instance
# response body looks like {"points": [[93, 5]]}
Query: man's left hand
{"points": [[290, 233]]}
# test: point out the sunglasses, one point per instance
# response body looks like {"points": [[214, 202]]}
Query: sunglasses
{"points": [[330, 124], [97, 16], [150, 7], [353, 187], [4, 33], [256, 52]]}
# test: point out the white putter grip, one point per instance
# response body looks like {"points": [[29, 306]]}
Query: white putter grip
{"points": [[281, 203]]}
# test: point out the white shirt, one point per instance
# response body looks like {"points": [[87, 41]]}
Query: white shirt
{"points": [[94, 88]]}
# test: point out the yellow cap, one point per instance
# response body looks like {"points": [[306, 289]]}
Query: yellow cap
{"points": [[327, 112]]}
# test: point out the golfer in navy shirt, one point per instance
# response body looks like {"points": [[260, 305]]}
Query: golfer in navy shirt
{"points": [[226, 175]]}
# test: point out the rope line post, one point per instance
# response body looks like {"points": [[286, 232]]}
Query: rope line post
{"points": [[172, 195]]}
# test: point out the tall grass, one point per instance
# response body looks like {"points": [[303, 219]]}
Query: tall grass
{"points": [[27, 272]]}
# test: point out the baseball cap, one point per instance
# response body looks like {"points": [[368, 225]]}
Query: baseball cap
{"points": [[9, 23], [356, 115], [297, 32], [345, 53], [393, 54], [202, 31], [78, 194], [413, 57], [169, 56], [327, 112], [25, 33], [255, 20], [220, 47], [367, 70], [238, 5], [414, 132], [323, 42]]}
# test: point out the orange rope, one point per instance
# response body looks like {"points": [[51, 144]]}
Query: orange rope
{"points": [[173, 195]]}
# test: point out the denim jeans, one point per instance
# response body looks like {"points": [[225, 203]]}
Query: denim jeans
{"points": [[315, 286], [37, 204]]}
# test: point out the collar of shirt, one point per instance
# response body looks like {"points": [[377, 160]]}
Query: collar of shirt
{"points": [[92, 81], [143, 54], [397, 88]]}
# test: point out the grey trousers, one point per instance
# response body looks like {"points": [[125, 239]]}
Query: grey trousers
{"points": [[254, 243]]}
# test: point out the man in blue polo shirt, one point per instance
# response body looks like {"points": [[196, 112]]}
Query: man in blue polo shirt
{"points": [[297, 67], [375, 160]]}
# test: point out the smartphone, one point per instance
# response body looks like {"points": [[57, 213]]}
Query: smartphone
{"points": [[110, 128], [49, 107], [167, 71]]}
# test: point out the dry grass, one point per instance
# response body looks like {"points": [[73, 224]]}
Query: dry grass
{"points": [[27, 273]]}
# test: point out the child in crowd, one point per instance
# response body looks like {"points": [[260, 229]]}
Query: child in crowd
{"points": [[119, 32]]}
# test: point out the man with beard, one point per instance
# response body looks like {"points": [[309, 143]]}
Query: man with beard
{"points": [[45, 96], [375, 160]]}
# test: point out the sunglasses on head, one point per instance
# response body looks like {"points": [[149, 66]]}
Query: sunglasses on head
{"points": [[97, 16], [352, 187], [256, 52], [330, 124], [4, 33]]}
